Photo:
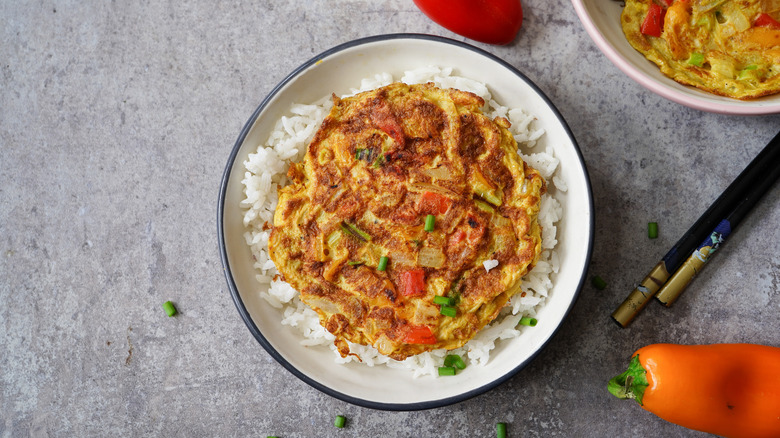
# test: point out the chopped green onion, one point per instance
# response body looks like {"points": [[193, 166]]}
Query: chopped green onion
{"points": [[340, 421], [355, 231], [354, 263], [598, 282], [696, 59], [492, 198], [169, 308], [443, 301], [454, 292], [446, 371], [749, 72], [366, 154], [430, 222], [528, 321], [652, 230], [705, 21], [382, 263], [448, 311], [453, 360], [500, 430], [484, 189], [484, 206]]}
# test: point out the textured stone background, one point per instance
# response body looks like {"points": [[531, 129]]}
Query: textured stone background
{"points": [[116, 120]]}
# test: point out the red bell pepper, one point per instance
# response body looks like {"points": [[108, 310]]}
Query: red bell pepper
{"points": [[413, 282], [486, 21], [654, 21], [419, 334], [434, 203], [766, 20]]}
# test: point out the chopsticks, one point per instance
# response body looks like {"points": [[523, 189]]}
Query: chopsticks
{"points": [[687, 257]]}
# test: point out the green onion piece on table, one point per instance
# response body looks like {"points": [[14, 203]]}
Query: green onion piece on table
{"points": [[446, 371], [500, 430], [652, 230], [430, 222], [169, 308], [528, 321], [340, 421], [598, 282]]}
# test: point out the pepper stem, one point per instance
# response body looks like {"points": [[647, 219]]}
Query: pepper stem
{"points": [[631, 384]]}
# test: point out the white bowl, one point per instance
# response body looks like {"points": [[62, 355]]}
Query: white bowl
{"points": [[337, 71], [601, 19]]}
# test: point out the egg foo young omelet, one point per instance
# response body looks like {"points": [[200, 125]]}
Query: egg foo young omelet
{"points": [[727, 47], [404, 192]]}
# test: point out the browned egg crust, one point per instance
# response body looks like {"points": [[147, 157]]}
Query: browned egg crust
{"points": [[711, 44], [380, 164]]}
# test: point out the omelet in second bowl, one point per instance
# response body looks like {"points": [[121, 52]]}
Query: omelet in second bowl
{"points": [[727, 47]]}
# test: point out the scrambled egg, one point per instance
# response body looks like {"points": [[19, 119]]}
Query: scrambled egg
{"points": [[404, 192], [715, 45]]}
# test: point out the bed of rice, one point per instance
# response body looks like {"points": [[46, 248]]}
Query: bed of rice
{"points": [[267, 167]]}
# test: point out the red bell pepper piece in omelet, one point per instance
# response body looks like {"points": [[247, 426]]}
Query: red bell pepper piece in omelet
{"points": [[413, 282], [420, 335], [766, 20], [654, 21]]}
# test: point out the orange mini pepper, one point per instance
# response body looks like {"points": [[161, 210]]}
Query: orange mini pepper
{"points": [[731, 390]]}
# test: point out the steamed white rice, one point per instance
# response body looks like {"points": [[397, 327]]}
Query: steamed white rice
{"points": [[267, 167]]}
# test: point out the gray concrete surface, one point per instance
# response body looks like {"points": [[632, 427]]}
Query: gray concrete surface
{"points": [[116, 121]]}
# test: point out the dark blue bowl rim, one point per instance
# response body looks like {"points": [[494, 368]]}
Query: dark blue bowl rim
{"points": [[234, 290]]}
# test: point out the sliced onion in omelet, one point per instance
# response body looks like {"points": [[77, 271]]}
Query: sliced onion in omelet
{"points": [[720, 46], [416, 174]]}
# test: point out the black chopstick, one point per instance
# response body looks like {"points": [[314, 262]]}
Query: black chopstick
{"points": [[677, 283], [751, 179]]}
